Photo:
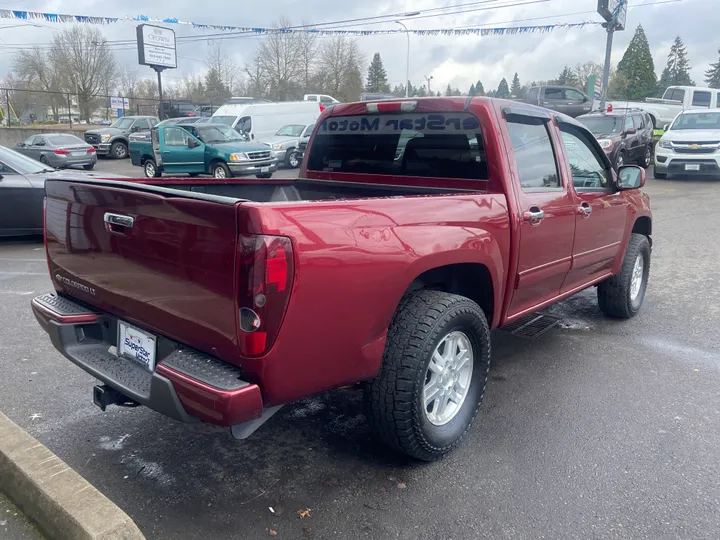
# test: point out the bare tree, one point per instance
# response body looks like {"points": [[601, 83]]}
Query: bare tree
{"points": [[257, 84], [85, 63], [341, 76], [587, 70], [278, 60], [308, 51], [225, 66], [37, 71]]}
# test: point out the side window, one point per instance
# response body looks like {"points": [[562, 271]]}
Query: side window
{"points": [[573, 95], [588, 170], [176, 137], [244, 125], [153, 122], [141, 125], [29, 140], [717, 103], [701, 99], [40, 140], [532, 94], [629, 123], [648, 120], [678, 94], [554, 93], [534, 155], [638, 121]]}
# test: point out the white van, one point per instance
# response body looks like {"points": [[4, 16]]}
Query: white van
{"points": [[260, 121]]}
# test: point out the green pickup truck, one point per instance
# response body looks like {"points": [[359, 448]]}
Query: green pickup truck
{"points": [[195, 149]]}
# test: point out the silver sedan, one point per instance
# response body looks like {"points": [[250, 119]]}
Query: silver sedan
{"points": [[59, 150]]}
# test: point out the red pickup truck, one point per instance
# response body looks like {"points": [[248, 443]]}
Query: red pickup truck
{"points": [[414, 228]]}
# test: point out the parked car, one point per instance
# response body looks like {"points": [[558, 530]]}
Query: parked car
{"points": [[261, 121], [626, 135], [204, 111], [323, 100], [22, 191], [564, 99], [113, 140], [244, 100], [176, 108], [59, 150], [201, 149], [675, 100], [247, 295], [285, 142], [691, 145]]}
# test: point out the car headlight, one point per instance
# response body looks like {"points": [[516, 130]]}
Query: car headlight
{"points": [[240, 156], [277, 146], [605, 144], [665, 144], [105, 138]]}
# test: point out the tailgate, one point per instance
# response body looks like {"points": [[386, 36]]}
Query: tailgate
{"points": [[153, 257]]}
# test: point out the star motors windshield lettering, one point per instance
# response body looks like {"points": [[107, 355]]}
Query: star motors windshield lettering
{"points": [[418, 122]]}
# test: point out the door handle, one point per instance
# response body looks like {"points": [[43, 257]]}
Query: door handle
{"points": [[534, 215], [584, 210]]}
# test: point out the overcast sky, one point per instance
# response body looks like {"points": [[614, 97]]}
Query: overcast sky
{"points": [[454, 60]]}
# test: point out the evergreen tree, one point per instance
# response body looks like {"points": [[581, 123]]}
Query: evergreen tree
{"points": [[503, 90], [712, 75], [567, 77], [376, 76], [448, 90], [637, 68], [472, 91], [439, 94], [516, 87], [479, 89], [677, 70], [215, 89], [456, 92]]}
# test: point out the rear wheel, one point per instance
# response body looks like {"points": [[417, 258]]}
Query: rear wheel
{"points": [[151, 170], [119, 150], [89, 166], [622, 295], [432, 379], [44, 160], [221, 170]]}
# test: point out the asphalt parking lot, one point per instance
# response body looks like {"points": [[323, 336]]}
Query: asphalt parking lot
{"points": [[598, 429]]}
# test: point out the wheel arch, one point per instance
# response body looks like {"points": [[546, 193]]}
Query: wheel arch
{"points": [[643, 225], [120, 140]]}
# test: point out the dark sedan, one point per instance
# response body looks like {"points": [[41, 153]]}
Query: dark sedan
{"points": [[59, 150], [22, 190]]}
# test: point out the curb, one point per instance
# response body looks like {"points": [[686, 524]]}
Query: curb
{"points": [[63, 504]]}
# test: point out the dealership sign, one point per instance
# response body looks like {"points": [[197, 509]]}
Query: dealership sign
{"points": [[119, 103], [614, 11], [156, 46]]}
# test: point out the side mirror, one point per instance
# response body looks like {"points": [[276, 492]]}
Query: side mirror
{"points": [[631, 131], [631, 177], [192, 143], [666, 127], [20, 145]]}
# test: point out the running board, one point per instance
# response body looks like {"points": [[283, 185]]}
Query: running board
{"points": [[531, 326], [244, 430]]}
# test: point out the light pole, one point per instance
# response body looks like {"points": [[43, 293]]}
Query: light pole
{"points": [[407, 64], [428, 79]]}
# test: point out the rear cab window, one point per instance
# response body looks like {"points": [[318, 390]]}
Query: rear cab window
{"points": [[435, 145]]}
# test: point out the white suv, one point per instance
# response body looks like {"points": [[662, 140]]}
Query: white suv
{"points": [[691, 145]]}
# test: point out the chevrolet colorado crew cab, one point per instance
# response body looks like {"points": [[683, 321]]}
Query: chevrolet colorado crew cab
{"points": [[222, 300]]}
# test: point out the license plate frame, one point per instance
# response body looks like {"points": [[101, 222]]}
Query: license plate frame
{"points": [[692, 166], [264, 169], [145, 350]]}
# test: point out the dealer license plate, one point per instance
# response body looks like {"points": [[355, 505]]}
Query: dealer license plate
{"points": [[692, 166], [264, 169], [136, 345]]}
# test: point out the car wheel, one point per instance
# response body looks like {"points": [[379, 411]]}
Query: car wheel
{"points": [[291, 160], [433, 374], [647, 158], [659, 175], [221, 170], [44, 160], [620, 160], [622, 295], [89, 167], [119, 150], [151, 170]]}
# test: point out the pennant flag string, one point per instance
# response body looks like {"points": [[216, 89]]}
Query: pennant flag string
{"points": [[85, 19]]}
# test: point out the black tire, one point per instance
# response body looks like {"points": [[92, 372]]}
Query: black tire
{"points": [[291, 160], [264, 175], [646, 160], [44, 161], [220, 170], [620, 160], [150, 168], [193, 175], [89, 167], [119, 150], [659, 175], [615, 294], [394, 399]]}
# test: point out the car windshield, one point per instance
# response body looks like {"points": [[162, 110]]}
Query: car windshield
{"points": [[602, 124], [123, 123], [292, 130], [709, 120], [218, 134], [227, 120], [64, 140], [20, 163]]}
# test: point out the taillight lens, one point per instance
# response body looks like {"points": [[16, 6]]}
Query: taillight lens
{"points": [[266, 271], [61, 152], [91, 150], [322, 107]]}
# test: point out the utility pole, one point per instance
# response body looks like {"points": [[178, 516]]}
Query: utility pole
{"points": [[615, 13], [606, 68], [407, 62], [428, 79]]}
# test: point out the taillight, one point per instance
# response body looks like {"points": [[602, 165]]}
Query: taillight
{"points": [[61, 152], [91, 150], [266, 271], [322, 107]]}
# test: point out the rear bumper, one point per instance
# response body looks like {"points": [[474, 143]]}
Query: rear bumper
{"points": [[186, 385], [73, 161]]}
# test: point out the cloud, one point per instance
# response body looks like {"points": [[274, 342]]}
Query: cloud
{"points": [[458, 61]]}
